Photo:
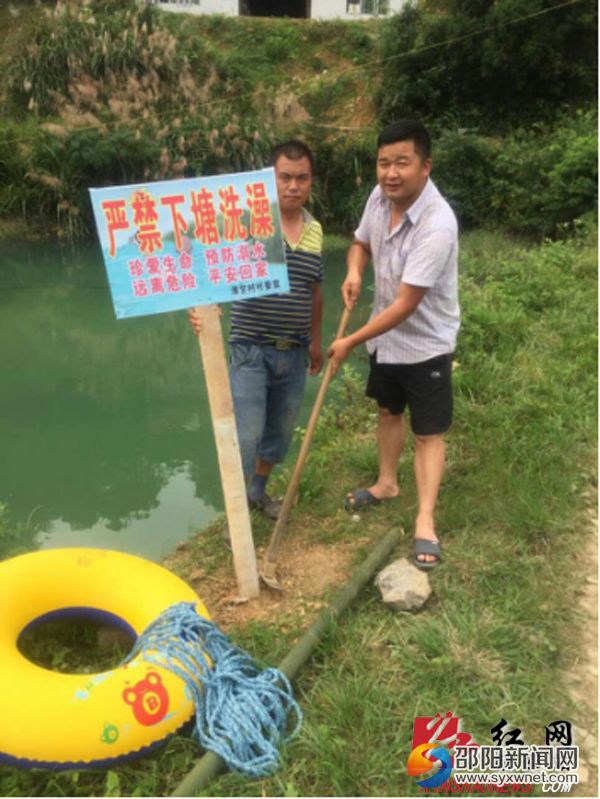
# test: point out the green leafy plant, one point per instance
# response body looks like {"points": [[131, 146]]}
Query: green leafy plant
{"points": [[494, 65]]}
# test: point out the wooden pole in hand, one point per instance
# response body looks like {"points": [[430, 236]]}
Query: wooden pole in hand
{"points": [[269, 562], [228, 449]]}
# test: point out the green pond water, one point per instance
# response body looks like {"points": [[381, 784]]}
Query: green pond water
{"points": [[105, 432]]}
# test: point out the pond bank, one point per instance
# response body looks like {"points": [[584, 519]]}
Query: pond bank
{"points": [[502, 628]]}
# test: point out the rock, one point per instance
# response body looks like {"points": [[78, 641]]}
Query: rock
{"points": [[403, 586]]}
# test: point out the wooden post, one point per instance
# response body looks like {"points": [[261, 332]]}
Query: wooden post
{"points": [[228, 449]]}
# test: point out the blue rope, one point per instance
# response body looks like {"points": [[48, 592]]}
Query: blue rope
{"points": [[242, 713]]}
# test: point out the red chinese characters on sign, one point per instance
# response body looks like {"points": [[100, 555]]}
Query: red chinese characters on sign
{"points": [[185, 260], [179, 224], [235, 265], [173, 283], [201, 204], [140, 289], [205, 217], [156, 285], [145, 218], [231, 274], [227, 255], [246, 272], [169, 264], [153, 265], [161, 275], [261, 220], [232, 215], [188, 281], [242, 252], [258, 251], [212, 257], [261, 269], [136, 268], [162, 240], [116, 219]]}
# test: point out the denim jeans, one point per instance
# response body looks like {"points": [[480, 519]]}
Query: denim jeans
{"points": [[268, 388]]}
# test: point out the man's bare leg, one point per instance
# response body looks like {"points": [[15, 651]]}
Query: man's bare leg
{"points": [[391, 437], [430, 456], [258, 482], [263, 468]]}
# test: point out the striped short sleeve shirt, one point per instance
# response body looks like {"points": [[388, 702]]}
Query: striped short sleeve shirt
{"points": [[422, 250], [262, 320]]}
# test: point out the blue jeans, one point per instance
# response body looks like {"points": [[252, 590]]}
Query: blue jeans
{"points": [[268, 388]]}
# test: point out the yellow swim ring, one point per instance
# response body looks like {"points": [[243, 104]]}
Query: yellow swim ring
{"points": [[60, 721]]}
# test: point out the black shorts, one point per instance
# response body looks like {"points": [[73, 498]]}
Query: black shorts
{"points": [[425, 387]]}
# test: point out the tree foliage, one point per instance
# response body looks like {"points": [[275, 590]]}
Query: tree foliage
{"points": [[489, 64], [534, 180]]}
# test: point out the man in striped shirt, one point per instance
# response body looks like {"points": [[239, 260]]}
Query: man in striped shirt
{"points": [[410, 232], [274, 339]]}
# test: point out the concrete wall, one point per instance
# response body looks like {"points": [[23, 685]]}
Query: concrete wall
{"points": [[320, 9], [342, 9], [229, 7]]}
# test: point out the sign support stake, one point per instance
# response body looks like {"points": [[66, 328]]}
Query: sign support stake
{"points": [[212, 351]]}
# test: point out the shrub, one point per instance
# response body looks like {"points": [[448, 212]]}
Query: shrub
{"points": [[463, 166], [345, 172], [546, 178], [533, 181], [475, 62]]}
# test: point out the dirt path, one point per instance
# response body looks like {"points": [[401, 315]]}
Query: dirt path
{"points": [[307, 573], [581, 680]]}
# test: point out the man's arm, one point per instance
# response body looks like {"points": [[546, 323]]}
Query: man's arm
{"points": [[403, 306], [357, 260], [422, 268], [316, 355]]}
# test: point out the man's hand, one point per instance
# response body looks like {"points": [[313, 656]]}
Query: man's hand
{"points": [[316, 359], [351, 290], [196, 322], [338, 352]]}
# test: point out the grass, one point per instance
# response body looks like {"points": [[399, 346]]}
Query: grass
{"points": [[115, 93], [499, 629]]}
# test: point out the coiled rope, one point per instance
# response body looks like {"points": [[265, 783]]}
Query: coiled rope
{"points": [[243, 714]]}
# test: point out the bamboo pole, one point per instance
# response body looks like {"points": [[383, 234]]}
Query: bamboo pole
{"points": [[211, 765], [212, 351]]}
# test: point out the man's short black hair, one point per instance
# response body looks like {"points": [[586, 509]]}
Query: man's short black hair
{"points": [[407, 130], [293, 149]]}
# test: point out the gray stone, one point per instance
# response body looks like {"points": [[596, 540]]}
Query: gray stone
{"points": [[403, 586]]}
